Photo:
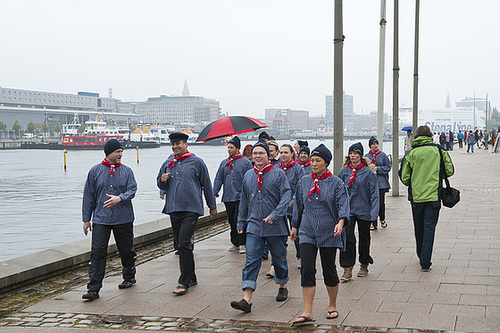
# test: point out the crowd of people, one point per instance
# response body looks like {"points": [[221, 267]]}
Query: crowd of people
{"points": [[272, 195]]}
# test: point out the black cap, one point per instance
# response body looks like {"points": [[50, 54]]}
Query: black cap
{"points": [[111, 146], [271, 138], [302, 143], [236, 142], [263, 144], [372, 140], [357, 147], [264, 135], [322, 152], [178, 136], [305, 149]]}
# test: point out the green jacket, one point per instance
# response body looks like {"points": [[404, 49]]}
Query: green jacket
{"points": [[420, 170]]}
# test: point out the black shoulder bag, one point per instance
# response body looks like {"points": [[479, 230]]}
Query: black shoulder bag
{"points": [[449, 196]]}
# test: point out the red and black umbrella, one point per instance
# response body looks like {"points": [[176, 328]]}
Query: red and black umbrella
{"points": [[228, 126]]}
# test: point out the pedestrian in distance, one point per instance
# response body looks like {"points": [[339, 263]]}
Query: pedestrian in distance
{"points": [[319, 218], [107, 202], [294, 172], [421, 171], [304, 160], [442, 140], [362, 185], [184, 178], [460, 137], [230, 176], [265, 196], [471, 140], [299, 144], [274, 150], [381, 166], [408, 140]]}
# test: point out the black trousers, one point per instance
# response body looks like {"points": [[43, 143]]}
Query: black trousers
{"points": [[232, 217], [183, 226], [348, 258], [381, 210], [308, 273], [124, 238], [425, 219], [297, 244]]}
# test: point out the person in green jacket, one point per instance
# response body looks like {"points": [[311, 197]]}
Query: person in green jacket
{"points": [[420, 170]]}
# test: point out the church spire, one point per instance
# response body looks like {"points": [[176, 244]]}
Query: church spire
{"points": [[185, 91], [448, 104]]}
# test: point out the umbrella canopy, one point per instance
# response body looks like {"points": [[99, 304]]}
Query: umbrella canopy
{"points": [[229, 126], [407, 128]]}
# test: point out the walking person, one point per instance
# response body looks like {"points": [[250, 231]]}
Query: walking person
{"points": [[421, 172], [435, 137], [442, 140], [184, 178], [460, 137], [471, 140], [363, 191], [294, 172], [381, 165], [107, 201], [230, 175], [265, 196], [304, 160], [274, 151], [408, 140], [319, 219], [452, 138]]}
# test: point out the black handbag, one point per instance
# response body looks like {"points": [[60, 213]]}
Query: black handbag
{"points": [[450, 196]]}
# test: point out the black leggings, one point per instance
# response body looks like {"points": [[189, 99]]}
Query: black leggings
{"points": [[308, 253]]}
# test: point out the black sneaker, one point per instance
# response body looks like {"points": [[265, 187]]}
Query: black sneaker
{"points": [[282, 295], [242, 305], [126, 284], [91, 295]]}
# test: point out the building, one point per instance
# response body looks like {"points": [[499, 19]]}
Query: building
{"points": [[179, 109], [50, 107], [287, 121], [348, 106]]}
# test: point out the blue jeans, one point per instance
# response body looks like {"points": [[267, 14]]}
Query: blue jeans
{"points": [[425, 218], [254, 248], [470, 146]]}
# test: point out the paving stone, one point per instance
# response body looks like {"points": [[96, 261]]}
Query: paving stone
{"points": [[65, 325], [36, 314], [50, 315], [82, 316], [152, 323], [81, 326], [66, 315], [85, 322], [49, 324], [31, 324], [150, 318]]}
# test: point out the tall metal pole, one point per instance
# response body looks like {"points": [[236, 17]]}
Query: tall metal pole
{"points": [[486, 118], [395, 104], [338, 89], [474, 111], [415, 69], [381, 70]]}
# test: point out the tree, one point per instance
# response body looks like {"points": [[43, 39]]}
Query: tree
{"points": [[495, 119], [45, 128], [31, 127], [3, 126], [81, 128], [57, 128], [17, 126]]}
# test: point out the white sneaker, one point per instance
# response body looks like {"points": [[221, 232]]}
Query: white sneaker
{"points": [[270, 274], [234, 248], [299, 265], [243, 249]]}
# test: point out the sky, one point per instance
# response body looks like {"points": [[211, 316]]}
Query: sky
{"points": [[249, 55]]}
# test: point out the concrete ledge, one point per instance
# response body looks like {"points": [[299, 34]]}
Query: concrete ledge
{"points": [[38, 266]]}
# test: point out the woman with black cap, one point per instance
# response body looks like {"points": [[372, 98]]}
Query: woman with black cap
{"points": [[304, 160], [381, 165], [362, 185], [319, 218]]}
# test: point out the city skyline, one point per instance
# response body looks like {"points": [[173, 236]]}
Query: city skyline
{"points": [[280, 51]]}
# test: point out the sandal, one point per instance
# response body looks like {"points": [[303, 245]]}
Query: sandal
{"points": [[372, 227], [332, 314], [183, 290], [304, 321], [383, 224]]}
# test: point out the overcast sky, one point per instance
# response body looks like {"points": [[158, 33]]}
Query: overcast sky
{"points": [[249, 55]]}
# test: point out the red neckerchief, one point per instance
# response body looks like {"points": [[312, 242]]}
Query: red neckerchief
{"points": [[111, 166], [374, 159], [230, 162], [304, 164], [315, 187], [288, 166], [354, 169], [180, 158], [266, 168]]}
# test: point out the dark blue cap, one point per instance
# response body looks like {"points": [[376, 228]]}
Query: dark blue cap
{"points": [[178, 136], [322, 152]]}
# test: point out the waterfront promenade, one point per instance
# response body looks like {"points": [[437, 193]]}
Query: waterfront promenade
{"points": [[461, 293]]}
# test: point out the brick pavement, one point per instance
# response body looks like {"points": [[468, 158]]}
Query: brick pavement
{"points": [[461, 293]]}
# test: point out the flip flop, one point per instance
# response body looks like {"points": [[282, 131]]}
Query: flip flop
{"points": [[182, 292], [332, 314], [303, 322], [383, 224]]}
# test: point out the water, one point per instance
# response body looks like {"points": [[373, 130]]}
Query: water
{"points": [[40, 204]]}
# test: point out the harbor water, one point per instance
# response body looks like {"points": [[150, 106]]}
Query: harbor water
{"points": [[40, 203]]}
